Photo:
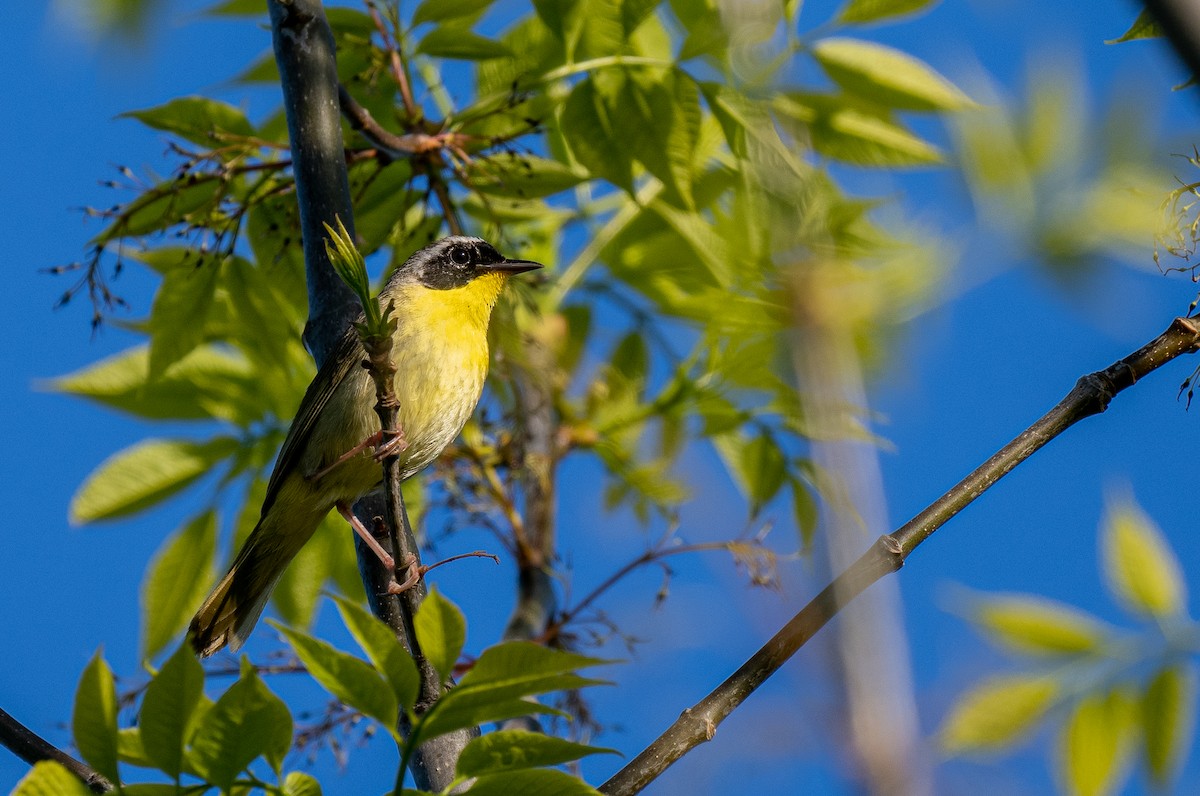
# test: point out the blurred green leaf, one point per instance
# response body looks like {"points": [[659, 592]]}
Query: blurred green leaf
{"points": [[350, 679], [1039, 626], [144, 474], [442, 10], [208, 382], [130, 749], [201, 120], [167, 709], [298, 783], [247, 722], [1144, 27], [887, 76], [48, 778], [1168, 718], [94, 718], [383, 649], [521, 176], [587, 28], [757, 465], [531, 782], [1141, 569], [591, 129], [996, 713], [442, 631], [176, 581], [844, 130], [511, 750], [1097, 743], [459, 43], [859, 11]]}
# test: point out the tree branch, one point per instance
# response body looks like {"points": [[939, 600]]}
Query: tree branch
{"points": [[1090, 396], [304, 52], [32, 748]]}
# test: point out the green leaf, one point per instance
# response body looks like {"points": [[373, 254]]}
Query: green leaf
{"points": [[145, 474], [805, 511], [176, 581], [887, 76], [511, 750], [590, 130], [384, 650], [178, 319], [167, 709], [757, 465], [163, 206], [94, 719], [130, 749], [209, 382], [300, 784], [657, 117], [150, 789], [531, 782], [1097, 743], [1168, 720], [1141, 569], [1144, 27], [843, 130], [997, 712], [499, 684], [521, 176], [198, 119], [443, 10], [248, 721], [455, 42], [442, 631], [48, 778], [587, 28], [348, 261], [1039, 626], [263, 322], [350, 679], [859, 11]]}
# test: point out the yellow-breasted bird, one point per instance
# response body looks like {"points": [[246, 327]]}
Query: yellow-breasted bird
{"points": [[443, 298]]}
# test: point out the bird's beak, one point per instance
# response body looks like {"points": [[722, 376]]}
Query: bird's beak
{"points": [[513, 266]]}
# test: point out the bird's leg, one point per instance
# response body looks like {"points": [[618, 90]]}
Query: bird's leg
{"points": [[370, 441], [388, 562], [389, 443], [396, 444], [415, 571]]}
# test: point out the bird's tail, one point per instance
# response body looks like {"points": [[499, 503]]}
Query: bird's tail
{"points": [[230, 612]]}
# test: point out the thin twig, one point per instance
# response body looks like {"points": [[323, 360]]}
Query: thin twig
{"points": [[1090, 396], [32, 748]]}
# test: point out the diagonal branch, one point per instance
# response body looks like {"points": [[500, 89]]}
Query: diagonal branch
{"points": [[1090, 396], [32, 748]]}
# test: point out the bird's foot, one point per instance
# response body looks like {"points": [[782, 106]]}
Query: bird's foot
{"points": [[389, 443], [369, 442], [384, 556], [415, 571]]}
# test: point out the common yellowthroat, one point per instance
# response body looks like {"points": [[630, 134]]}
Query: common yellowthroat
{"points": [[443, 298]]}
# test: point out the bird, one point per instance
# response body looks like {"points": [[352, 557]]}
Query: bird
{"points": [[443, 297]]}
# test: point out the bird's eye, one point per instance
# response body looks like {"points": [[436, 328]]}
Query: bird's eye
{"points": [[460, 256]]}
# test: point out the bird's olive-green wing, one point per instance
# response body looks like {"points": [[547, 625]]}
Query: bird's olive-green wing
{"points": [[339, 362]]}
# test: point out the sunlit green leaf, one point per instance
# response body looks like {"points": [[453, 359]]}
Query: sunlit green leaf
{"points": [[176, 581], [48, 778], [145, 474], [298, 783], [180, 312], [130, 749], [442, 631], [1168, 718], [94, 719], [530, 782], [859, 11], [1097, 743], [887, 76], [247, 722], [459, 43], [841, 130], [591, 130], [165, 205], [167, 708], [198, 119], [997, 713], [1039, 626], [509, 750], [1141, 569], [350, 679], [383, 648], [522, 176]]}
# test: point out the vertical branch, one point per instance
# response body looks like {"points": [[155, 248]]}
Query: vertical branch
{"points": [[304, 52]]}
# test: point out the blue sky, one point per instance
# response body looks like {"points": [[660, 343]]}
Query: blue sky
{"points": [[963, 378]]}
